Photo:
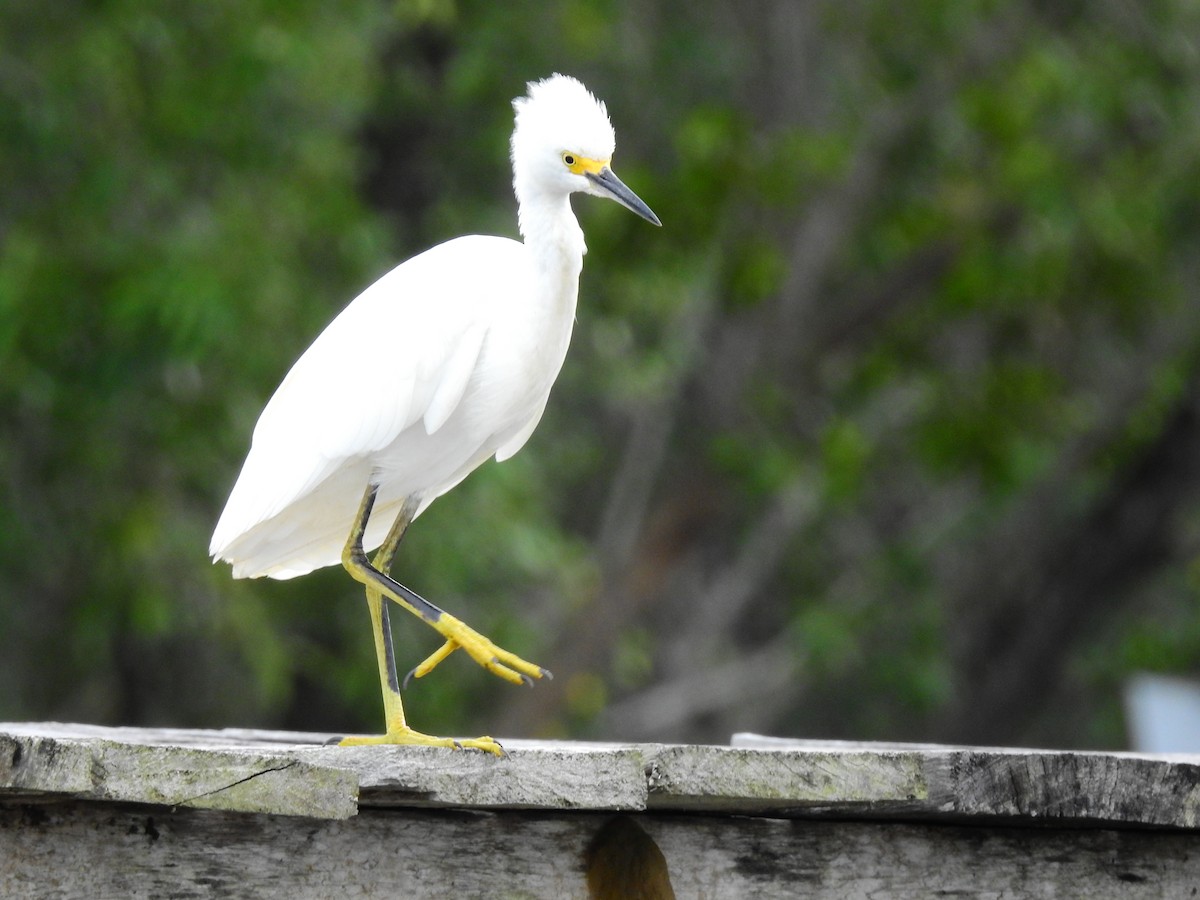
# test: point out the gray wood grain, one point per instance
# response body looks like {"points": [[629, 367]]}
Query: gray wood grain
{"points": [[299, 774], [205, 778], [99, 812], [77, 851]]}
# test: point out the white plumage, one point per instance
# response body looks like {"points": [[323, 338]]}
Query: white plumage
{"points": [[445, 361]]}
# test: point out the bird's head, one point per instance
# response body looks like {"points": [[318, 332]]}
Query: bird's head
{"points": [[563, 143]]}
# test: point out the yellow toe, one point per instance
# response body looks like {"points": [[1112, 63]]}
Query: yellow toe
{"points": [[409, 737], [497, 660]]}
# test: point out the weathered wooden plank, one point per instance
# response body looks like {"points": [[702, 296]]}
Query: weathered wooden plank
{"points": [[236, 771], [531, 776], [241, 770], [87, 850], [999, 783], [97, 769], [782, 782]]}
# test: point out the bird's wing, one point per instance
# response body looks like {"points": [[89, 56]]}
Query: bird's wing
{"points": [[509, 448], [401, 353]]}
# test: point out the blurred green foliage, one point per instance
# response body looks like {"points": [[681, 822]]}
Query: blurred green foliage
{"points": [[924, 269]]}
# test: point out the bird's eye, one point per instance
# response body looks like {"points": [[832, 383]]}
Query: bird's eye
{"points": [[569, 159]]}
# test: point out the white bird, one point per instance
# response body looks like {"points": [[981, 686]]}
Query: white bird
{"points": [[443, 362]]}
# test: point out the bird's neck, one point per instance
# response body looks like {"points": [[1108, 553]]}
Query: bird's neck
{"points": [[551, 233], [554, 242]]}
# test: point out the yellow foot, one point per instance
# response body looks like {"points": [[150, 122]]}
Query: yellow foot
{"points": [[495, 659], [410, 737]]}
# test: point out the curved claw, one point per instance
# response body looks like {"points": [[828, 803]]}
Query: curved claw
{"points": [[542, 673]]}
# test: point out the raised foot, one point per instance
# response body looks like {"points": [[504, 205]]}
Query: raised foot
{"points": [[495, 659], [409, 737]]}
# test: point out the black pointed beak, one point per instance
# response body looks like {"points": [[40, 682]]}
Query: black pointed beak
{"points": [[612, 186]]}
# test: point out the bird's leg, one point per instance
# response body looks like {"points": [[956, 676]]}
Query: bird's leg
{"points": [[373, 575], [397, 730], [393, 707], [496, 660]]}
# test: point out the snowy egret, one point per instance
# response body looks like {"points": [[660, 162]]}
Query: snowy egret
{"points": [[443, 362]]}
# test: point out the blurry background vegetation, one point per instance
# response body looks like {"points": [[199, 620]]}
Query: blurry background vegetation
{"points": [[891, 432]]}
